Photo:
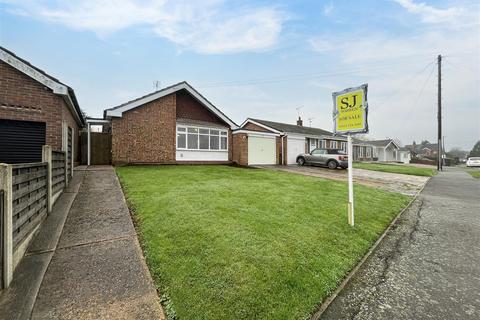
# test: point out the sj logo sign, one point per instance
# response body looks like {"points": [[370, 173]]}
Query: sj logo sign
{"points": [[350, 110]]}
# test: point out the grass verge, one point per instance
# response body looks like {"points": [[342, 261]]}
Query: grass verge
{"points": [[234, 243], [394, 168], [474, 173]]}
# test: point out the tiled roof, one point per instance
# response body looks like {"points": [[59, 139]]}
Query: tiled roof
{"points": [[292, 128]]}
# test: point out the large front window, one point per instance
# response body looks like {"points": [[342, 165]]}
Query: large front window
{"points": [[198, 138]]}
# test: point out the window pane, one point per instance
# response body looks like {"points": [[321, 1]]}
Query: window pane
{"points": [[215, 132], [192, 130], [192, 141], [224, 143], [214, 143], [224, 133], [181, 140], [203, 131], [181, 129], [203, 141]]}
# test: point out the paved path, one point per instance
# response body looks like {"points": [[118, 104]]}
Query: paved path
{"points": [[428, 266], [395, 182], [87, 265]]}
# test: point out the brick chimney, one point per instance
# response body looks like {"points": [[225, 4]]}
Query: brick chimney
{"points": [[300, 122]]}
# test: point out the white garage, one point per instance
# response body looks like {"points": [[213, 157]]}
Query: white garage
{"points": [[261, 150], [295, 146]]}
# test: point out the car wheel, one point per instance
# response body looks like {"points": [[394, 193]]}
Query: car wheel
{"points": [[300, 161], [332, 164]]}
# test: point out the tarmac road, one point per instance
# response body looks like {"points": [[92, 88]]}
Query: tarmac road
{"points": [[428, 266]]}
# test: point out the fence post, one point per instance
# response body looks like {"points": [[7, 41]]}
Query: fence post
{"points": [[66, 168], [47, 157], [6, 186]]}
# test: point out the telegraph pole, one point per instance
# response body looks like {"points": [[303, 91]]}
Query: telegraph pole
{"points": [[439, 114]]}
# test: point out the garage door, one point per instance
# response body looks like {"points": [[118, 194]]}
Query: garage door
{"points": [[295, 146], [261, 150], [21, 141]]}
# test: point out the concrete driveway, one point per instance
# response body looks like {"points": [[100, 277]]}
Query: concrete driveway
{"points": [[86, 262], [401, 183], [428, 265]]}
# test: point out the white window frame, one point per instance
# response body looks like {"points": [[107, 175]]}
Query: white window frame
{"points": [[221, 133], [323, 143], [332, 146], [360, 154], [368, 151], [343, 146]]}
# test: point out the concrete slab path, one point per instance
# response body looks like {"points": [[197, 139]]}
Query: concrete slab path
{"points": [[394, 182], [428, 265], [87, 264]]}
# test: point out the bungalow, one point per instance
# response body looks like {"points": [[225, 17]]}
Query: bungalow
{"points": [[385, 150], [173, 125], [35, 109], [268, 142]]}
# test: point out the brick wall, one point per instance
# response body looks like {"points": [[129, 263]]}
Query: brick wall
{"points": [[146, 134], [240, 149], [189, 108], [252, 126], [23, 98]]}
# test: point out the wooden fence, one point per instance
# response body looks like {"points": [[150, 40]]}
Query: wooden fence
{"points": [[29, 196], [59, 173], [27, 192]]}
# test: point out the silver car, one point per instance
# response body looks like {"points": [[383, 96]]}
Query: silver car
{"points": [[332, 158]]}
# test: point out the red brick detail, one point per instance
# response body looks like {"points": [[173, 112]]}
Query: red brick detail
{"points": [[240, 149], [252, 126], [23, 98], [189, 108], [146, 134]]}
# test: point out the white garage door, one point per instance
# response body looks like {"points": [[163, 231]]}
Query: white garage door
{"points": [[295, 146], [261, 150]]}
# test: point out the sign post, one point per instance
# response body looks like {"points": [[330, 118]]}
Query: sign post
{"points": [[350, 113], [351, 213]]}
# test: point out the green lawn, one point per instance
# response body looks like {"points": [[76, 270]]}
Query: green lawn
{"points": [[474, 173], [234, 243], [396, 168]]}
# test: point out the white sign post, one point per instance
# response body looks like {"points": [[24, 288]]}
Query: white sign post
{"points": [[350, 111], [351, 213]]}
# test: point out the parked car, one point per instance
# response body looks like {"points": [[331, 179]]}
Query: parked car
{"points": [[332, 158], [473, 162]]}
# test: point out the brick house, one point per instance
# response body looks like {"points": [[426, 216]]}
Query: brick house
{"points": [[173, 125], [35, 109], [290, 141]]}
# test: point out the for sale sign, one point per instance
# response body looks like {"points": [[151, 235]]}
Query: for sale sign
{"points": [[350, 110]]}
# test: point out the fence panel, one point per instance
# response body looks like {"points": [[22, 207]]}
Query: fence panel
{"points": [[29, 195], [58, 171]]}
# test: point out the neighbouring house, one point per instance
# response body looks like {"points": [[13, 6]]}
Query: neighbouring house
{"points": [[266, 142], [173, 125], [423, 150], [385, 150], [404, 155], [35, 109], [363, 150]]}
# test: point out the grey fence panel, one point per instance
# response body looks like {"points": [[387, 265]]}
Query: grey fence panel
{"points": [[58, 171], [29, 194]]}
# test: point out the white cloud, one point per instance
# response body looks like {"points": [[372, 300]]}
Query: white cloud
{"points": [[431, 14], [391, 64], [328, 9], [208, 26]]}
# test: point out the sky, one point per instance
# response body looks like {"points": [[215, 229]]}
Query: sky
{"points": [[272, 60]]}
